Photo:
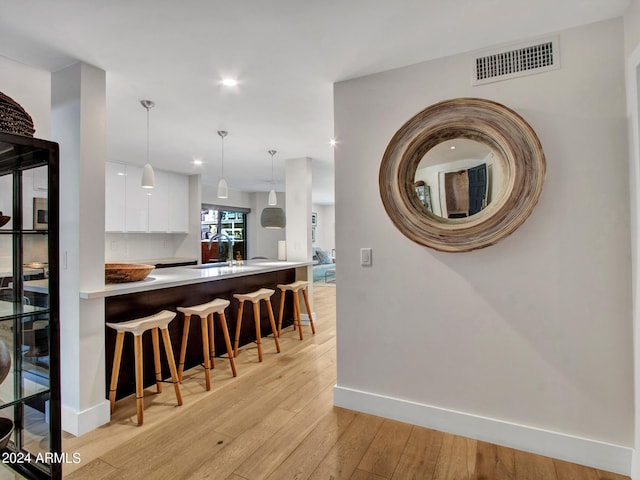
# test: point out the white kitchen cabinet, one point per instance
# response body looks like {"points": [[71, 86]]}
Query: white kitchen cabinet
{"points": [[115, 190], [136, 215], [178, 207], [159, 202], [131, 208]]}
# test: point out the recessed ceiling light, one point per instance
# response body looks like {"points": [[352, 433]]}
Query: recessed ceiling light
{"points": [[197, 161], [333, 142], [453, 147], [229, 82]]}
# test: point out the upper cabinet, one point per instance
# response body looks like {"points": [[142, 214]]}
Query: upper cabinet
{"points": [[179, 203], [131, 208], [136, 202], [158, 197]]}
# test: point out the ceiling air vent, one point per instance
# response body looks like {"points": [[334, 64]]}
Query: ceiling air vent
{"points": [[516, 61]]}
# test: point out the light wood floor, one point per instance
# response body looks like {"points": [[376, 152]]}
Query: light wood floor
{"points": [[276, 421]]}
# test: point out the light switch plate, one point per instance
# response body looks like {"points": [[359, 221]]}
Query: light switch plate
{"points": [[365, 257]]}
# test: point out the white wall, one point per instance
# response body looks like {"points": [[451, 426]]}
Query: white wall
{"points": [[528, 337], [326, 228], [263, 242], [31, 88], [632, 51], [632, 27], [236, 198]]}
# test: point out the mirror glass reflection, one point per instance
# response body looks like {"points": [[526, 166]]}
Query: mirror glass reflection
{"points": [[459, 178]]}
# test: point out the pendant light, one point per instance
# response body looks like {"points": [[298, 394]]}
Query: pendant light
{"points": [[223, 189], [148, 178], [273, 199], [272, 217]]}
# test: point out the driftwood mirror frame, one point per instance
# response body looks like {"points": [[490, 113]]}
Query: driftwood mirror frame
{"points": [[491, 123]]}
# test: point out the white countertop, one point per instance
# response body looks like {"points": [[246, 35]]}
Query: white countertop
{"points": [[9, 308], [8, 273], [178, 276], [37, 286]]}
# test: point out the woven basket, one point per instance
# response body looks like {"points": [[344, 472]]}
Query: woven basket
{"points": [[13, 118]]}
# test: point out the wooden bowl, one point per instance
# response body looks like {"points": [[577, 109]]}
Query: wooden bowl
{"points": [[6, 429], [126, 272]]}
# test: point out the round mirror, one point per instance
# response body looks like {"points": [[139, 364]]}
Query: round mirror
{"points": [[459, 178], [462, 174]]}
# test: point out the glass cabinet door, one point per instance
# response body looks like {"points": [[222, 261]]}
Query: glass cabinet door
{"points": [[29, 371]]}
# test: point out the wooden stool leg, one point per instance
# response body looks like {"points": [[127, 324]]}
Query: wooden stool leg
{"points": [[297, 318], [227, 341], [183, 347], [293, 299], [212, 343], [256, 317], [156, 359], [137, 348], [172, 364], [205, 352], [306, 304], [281, 311], [238, 325], [115, 371], [273, 324]]}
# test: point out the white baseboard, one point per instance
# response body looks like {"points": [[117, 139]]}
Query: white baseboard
{"points": [[592, 453], [78, 423], [304, 318]]}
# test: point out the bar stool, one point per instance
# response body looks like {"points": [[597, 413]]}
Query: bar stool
{"points": [[255, 297], [137, 327], [205, 311], [295, 287]]}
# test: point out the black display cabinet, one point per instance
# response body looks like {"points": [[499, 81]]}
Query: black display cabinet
{"points": [[29, 308]]}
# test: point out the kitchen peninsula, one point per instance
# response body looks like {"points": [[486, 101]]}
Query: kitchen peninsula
{"points": [[168, 288]]}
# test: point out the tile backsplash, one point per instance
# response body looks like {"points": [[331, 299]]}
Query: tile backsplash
{"points": [[138, 246]]}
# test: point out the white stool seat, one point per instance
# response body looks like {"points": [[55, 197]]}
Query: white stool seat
{"points": [[216, 306], [255, 297], [295, 286], [205, 311], [140, 325]]}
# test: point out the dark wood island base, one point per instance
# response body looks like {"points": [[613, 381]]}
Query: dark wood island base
{"points": [[121, 308]]}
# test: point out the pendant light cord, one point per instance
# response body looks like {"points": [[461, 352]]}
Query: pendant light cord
{"points": [[148, 105], [147, 134], [222, 134], [272, 153]]}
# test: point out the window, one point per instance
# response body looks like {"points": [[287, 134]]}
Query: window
{"points": [[223, 232]]}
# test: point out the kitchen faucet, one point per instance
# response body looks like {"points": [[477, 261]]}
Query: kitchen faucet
{"points": [[221, 238]]}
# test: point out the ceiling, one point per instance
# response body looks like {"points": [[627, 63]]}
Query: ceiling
{"points": [[285, 54]]}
